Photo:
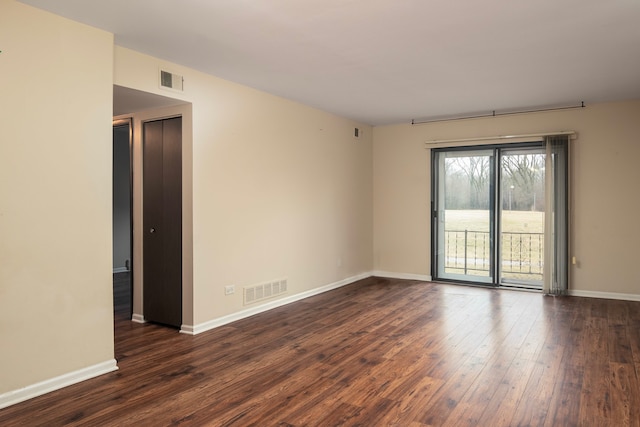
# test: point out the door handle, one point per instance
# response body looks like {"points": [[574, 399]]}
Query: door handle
{"points": [[152, 230]]}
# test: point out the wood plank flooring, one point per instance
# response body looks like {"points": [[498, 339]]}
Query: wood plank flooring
{"points": [[379, 352], [122, 294]]}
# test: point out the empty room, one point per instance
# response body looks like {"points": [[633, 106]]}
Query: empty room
{"points": [[319, 213]]}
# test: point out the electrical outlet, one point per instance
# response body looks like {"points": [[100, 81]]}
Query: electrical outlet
{"points": [[229, 290]]}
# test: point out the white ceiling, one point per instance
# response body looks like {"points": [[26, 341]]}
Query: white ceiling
{"points": [[390, 61]]}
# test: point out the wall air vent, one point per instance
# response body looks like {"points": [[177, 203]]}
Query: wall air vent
{"points": [[264, 291], [172, 81]]}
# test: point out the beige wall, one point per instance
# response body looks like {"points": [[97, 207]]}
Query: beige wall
{"points": [[55, 196], [605, 176], [279, 189]]}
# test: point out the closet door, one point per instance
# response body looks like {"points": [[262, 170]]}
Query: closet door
{"points": [[162, 221]]}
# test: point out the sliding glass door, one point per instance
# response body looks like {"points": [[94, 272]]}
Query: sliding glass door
{"points": [[522, 216], [463, 215], [488, 216]]}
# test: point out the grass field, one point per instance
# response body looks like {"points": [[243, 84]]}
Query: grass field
{"points": [[512, 221]]}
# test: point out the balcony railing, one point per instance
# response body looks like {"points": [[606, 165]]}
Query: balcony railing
{"points": [[468, 252]]}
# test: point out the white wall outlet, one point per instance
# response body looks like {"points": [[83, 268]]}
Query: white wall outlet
{"points": [[229, 290]]}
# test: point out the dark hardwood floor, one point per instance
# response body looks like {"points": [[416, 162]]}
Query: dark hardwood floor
{"points": [[375, 353], [122, 294]]}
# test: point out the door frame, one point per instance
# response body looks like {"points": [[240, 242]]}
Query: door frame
{"points": [[495, 202]]}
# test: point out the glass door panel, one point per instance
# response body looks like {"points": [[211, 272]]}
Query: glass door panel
{"points": [[522, 207], [463, 215]]}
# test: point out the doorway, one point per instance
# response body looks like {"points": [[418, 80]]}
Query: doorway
{"points": [[138, 107], [122, 218], [488, 216]]}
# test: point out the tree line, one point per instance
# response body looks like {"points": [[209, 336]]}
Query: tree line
{"points": [[468, 180]]}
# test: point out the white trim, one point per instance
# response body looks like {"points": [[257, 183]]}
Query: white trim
{"points": [[406, 276], [120, 270], [494, 139], [224, 320], [34, 390], [138, 318], [604, 295]]}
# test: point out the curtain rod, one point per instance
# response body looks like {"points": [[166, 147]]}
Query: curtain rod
{"points": [[500, 137], [494, 114]]}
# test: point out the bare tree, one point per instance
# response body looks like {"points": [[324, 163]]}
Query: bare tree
{"points": [[477, 171], [525, 172]]}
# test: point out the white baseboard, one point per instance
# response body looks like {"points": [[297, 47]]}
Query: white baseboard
{"points": [[220, 321], [604, 295], [120, 270], [138, 318], [407, 276], [38, 389]]}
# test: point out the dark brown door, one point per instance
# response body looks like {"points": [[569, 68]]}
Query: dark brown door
{"points": [[162, 221]]}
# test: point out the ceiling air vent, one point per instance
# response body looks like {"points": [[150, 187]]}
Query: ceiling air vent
{"points": [[171, 81]]}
